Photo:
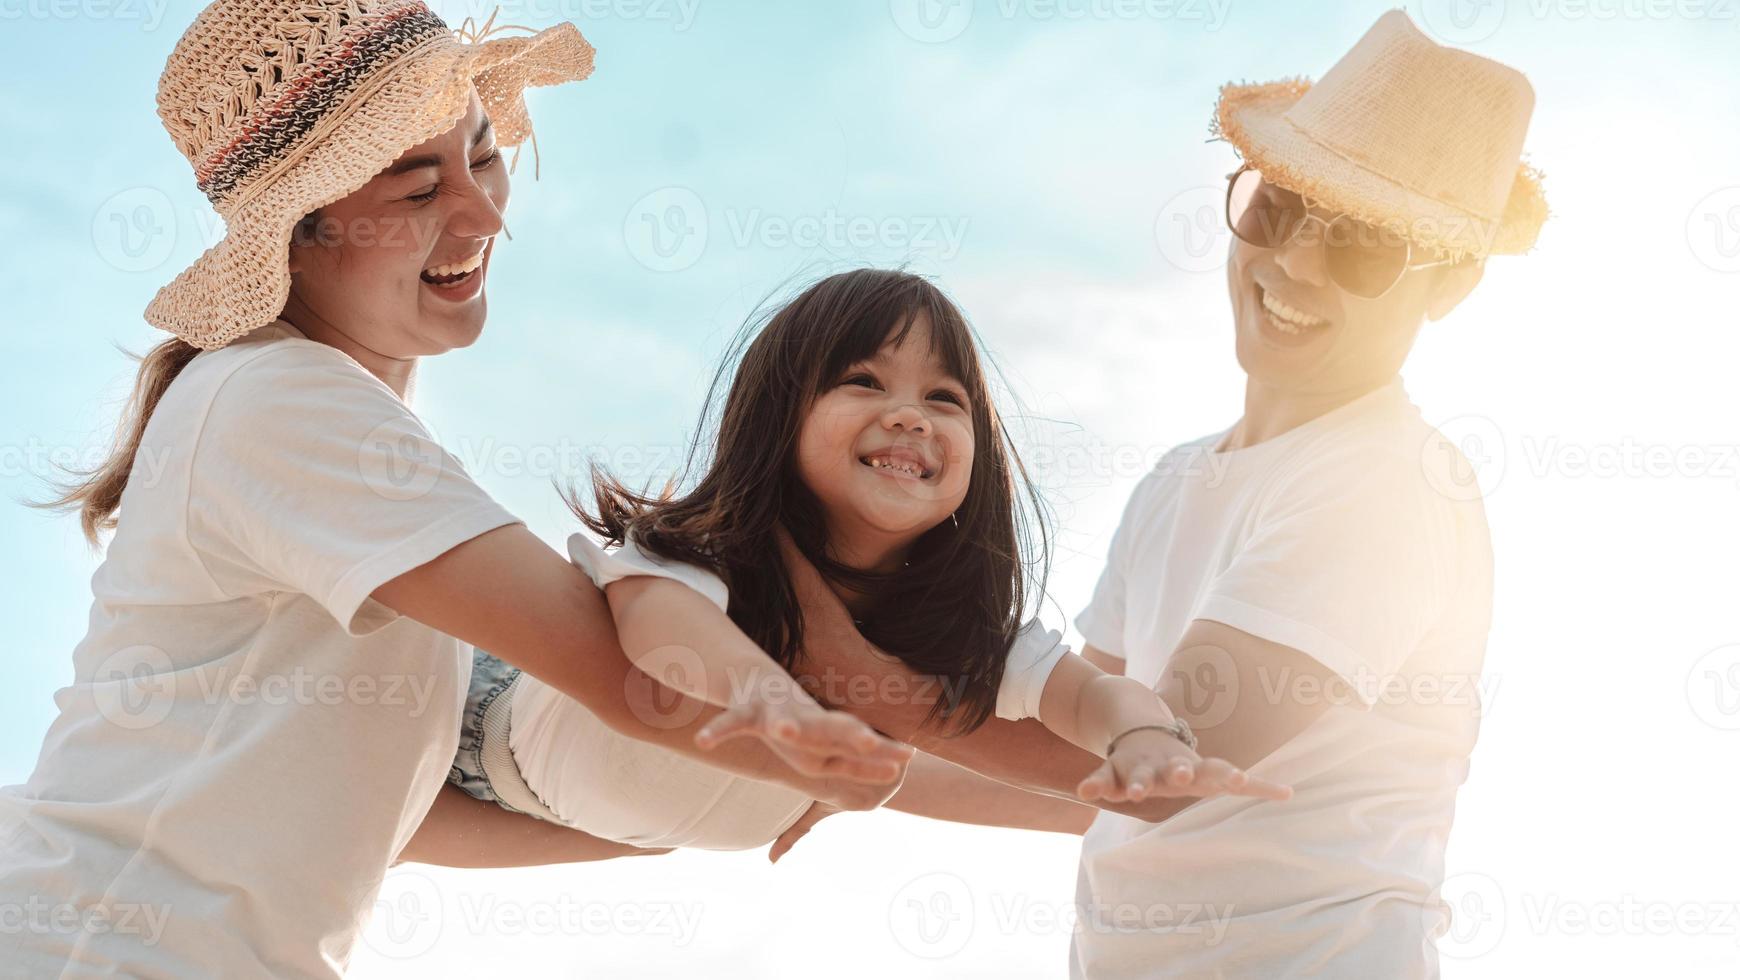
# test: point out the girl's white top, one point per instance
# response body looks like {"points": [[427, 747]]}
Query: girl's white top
{"points": [[248, 739], [613, 786]]}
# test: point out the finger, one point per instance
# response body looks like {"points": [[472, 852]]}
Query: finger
{"points": [[1264, 789], [1179, 772], [841, 734], [806, 763], [822, 764], [1214, 776], [1097, 783], [873, 772], [828, 730], [729, 724], [1139, 781], [784, 841]]}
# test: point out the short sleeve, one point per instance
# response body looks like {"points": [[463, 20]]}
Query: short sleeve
{"points": [[1352, 564], [1034, 655], [605, 567], [311, 475]]}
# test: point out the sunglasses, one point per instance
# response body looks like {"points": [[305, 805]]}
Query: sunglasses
{"points": [[1364, 260]]}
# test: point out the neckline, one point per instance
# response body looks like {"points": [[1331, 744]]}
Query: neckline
{"points": [[1391, 390]]}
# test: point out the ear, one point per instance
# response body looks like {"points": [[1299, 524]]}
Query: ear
{"points": [[301, 238], [1454, 284]]}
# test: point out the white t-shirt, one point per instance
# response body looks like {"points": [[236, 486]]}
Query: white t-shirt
{"points": [[249, 739], [613, 786], [1352, 539]]}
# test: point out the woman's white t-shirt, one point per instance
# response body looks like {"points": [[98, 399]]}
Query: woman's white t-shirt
{"points": [[249, 739], [639, 793], [1359, 540]]}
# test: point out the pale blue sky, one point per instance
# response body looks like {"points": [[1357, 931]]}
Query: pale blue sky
{"points": [[1037, 163]]}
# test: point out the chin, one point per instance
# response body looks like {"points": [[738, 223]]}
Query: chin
{"points": [[895, 524], [440, 337]]}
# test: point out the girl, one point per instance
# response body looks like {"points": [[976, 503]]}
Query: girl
{"points": [[860, 423]]}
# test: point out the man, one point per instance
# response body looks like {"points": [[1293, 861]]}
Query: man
{"points": [[1311, 589]]}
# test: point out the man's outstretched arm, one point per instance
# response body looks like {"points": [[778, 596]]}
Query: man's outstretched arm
{"points": [[941, 790], [462, 832]]}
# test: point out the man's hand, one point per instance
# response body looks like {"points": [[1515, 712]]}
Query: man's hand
{"points": [[811, 817]]}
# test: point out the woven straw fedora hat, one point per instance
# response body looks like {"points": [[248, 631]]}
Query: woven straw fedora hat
{"points": [[1404, 134], [285, 106]]}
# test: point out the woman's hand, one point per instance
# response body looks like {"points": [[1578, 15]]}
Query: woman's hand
{"points": [[809, 738], [1152, 764]]}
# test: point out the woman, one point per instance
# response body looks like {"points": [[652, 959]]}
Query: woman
{"points": [[265, 706]]}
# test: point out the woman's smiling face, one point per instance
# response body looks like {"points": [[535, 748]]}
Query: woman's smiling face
{"points": [[888, 448], [399, 266]]}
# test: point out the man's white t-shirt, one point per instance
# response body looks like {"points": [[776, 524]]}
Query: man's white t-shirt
{"points": [[1358, 539], [248, 739], [620, 788]]}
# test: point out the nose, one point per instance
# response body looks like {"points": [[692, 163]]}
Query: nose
{"points": [[906, 418], [1302, 258], [478, 212]]}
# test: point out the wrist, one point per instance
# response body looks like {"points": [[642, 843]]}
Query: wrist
{"points": [[1177, 730]]}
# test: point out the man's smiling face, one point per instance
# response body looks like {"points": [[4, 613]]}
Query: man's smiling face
{"points": [[1297, 331]]}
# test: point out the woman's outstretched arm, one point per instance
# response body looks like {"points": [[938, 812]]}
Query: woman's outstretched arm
{"points": [[509, 593]]}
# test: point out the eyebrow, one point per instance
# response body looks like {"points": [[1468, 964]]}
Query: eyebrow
{"points": [[409, 164]]}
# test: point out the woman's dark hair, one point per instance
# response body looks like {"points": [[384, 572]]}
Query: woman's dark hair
{"points": [[956, 608]]}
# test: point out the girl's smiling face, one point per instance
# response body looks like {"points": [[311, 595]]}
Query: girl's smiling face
{"points": [[888, 450]]}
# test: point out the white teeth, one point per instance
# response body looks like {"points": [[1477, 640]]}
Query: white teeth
{"points": [[1288, 319], [469, 265], [885, 463]]}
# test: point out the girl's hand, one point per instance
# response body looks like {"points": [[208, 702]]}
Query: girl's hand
{"points": [[811, 739], [817, 811], [1152, 763]]}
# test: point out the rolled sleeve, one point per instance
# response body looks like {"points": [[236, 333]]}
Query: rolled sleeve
{"points": [[605, 567], [1035, 654]]}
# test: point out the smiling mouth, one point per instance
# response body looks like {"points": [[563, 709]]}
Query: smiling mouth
{"points": [[1287, 319], [452, 276], [894, 466]]}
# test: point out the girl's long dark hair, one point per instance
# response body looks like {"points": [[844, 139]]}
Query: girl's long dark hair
{"points": [[955, 609]]}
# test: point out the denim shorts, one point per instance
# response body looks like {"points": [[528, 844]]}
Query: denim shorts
{"points": [[489, 678]]}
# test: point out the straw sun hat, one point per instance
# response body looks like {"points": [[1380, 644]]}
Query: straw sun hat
{"points": [[1403, 134], [285, 106]]}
